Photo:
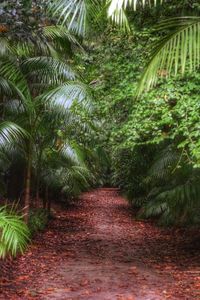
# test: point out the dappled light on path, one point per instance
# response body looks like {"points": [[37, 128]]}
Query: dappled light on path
{"points": [[96, 250]]}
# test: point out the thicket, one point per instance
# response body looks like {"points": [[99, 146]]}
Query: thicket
{"points": [[152, 140], [47, 135]]}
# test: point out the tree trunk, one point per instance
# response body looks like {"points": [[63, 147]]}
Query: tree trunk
{"points": [[48, 201], [49, 206], [27, 187], [45, 199], [37, 195]]}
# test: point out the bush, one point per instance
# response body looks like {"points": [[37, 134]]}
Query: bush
{"points": [[130, 166], [38, 220]]}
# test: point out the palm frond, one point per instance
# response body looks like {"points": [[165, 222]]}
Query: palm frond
{"points": [[174, 202], [175, 53], [164, 164], [74, 153], [14, 235], [116, 9], [4, 46], [10, 71], [47, 70], [75, 13], [56, 32], [11, 133], [6, 88], [64, 95]]}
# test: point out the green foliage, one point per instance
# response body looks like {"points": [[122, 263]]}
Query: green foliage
{"points": [[130, 168], [153, 141], [14, 235], [46, 131], [170, 53], [173, 189], [60, 133], [38, 220]]}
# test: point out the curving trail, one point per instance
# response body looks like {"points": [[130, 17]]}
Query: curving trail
{"points": [[96, 250]]}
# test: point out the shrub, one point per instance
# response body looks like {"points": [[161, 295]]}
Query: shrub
{"points": [[38, 220]]}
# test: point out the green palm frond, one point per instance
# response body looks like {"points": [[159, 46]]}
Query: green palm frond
{"points": [[75, 13], [59, 32], [11, 133], [175, 53], [176, 201], [117, 8], [14, 235], [6, 88], [154, 208], [47, 70], [4, 46], [11, 72], [73, 152], [14, 107], [164, 164], [64, 95]]}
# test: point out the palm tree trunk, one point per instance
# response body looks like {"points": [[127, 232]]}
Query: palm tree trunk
{"points": [[45, 199], [48, 201], [37, 196], [27, 186]]}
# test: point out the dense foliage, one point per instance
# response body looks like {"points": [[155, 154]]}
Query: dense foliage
{"points": [[153, 140], [73, 92], [47, 149]]}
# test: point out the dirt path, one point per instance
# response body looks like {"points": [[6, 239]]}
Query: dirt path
{"points": [[96, 250]]}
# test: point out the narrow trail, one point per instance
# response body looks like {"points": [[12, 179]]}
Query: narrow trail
{"points": [[96, 250]]}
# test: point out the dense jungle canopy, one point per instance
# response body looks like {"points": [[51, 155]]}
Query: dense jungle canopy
{"points": [[98, 93]]}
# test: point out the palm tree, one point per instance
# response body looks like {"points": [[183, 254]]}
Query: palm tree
{"points": [[173, 193], [39, 85], [65, 172]]}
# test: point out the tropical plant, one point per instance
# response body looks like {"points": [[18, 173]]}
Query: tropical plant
{"points": [[77, 15], [14, 235], [117, 9], [43, 89], [173, 189], [177, 51]]}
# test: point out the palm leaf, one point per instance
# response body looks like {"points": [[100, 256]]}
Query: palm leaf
{"points": [[11, 72], [14, 234], [74, 153], [177, 51], [75, 13], [116, 9], [47, 69], [10, 133], [4, 46], [55, 32], [64, 95]]}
